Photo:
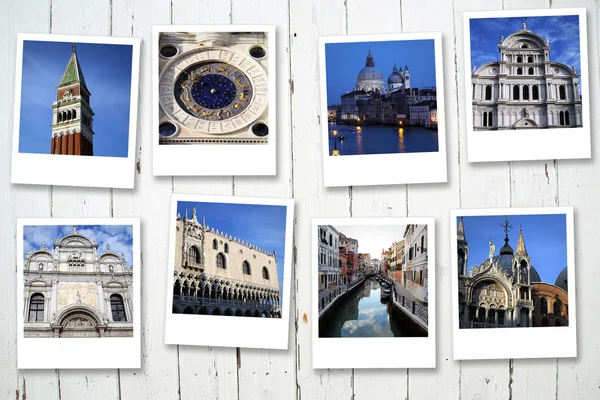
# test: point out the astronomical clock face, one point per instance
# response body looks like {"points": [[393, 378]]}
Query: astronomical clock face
{"points": [[212, 94]]}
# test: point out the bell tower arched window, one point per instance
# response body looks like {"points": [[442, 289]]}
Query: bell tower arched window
{"points": [[117, 308], [36, 308]]}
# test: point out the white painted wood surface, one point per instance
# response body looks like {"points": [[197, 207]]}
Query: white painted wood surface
{"points": [[181, 372]]}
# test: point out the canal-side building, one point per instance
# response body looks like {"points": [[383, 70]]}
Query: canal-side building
{"points": [[420, 112], [218, 274], [525, 89], [343, 266], [415, 267], [75, 290], [329, 257], [505, 290], [397, 273]]}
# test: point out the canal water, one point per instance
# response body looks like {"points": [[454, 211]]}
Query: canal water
{"points": [[362, 314], [381, 139]]}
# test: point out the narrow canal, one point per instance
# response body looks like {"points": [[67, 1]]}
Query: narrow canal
{"points": [[381, 139], [361, 313]]}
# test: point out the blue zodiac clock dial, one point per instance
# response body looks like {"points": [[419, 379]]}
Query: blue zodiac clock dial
{"points": [[213, 91]]}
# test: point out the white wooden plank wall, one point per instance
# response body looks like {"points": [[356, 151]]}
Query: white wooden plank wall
{"points": [[186, 372]]}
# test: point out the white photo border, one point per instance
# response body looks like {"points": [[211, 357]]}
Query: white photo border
{"points": [[260, 333], [94, 171], [407, 352], [66, 353], [474, 344], [216, 159], [534, 144], [363, 170]]}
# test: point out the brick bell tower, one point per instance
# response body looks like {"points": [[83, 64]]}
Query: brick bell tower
{"points": [[72, 115]]}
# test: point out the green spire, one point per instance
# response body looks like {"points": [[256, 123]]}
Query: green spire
{"points": [[73, 71]]}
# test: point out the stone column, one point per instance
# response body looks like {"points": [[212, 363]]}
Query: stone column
{"points": [[128, 307], [487, 313], [54, 290], [477, 314], [496, 317], [100, 293], [25, 306], [530, 317]]}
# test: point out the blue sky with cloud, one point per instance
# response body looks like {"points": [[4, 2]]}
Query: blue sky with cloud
{"points": [[261, 225], [545, 238], [345, 60], [119, 237], [107, 71], [562, 31]]}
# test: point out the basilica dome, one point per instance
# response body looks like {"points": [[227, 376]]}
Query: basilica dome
{"points": [[505, 259], [561, 280], [370, 78], [395, 77]]}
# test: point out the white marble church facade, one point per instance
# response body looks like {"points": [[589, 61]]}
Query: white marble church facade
{"points": [[525, 89], [76, 292]]}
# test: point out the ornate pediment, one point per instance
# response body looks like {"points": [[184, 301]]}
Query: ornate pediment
{"points": [[79, 321]]}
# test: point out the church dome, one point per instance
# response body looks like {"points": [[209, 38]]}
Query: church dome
{"points": [[370, 78], [535, 277], [395, 77], [561, 280]]}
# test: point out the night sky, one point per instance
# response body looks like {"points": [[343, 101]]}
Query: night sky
{"points": [[107, 72], [545, 240], [345, 60]]}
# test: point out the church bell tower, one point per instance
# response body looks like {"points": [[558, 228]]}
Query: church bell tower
{"points": [[72, 115]]}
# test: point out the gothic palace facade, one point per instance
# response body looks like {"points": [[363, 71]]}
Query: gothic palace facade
{"points": [[524, 89], [218, 274], [505, 290], [76, 292]]}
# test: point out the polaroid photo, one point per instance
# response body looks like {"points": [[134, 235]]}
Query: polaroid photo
{"points": [[214, 100], [515, 289], [78, 283], [230, 266], [527, 81], [372, 292], [75, 96], [383, 98]]}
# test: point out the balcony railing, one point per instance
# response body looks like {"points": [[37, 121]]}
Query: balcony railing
{"points": [[525, 303], [209, 301], [479, 325]]}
